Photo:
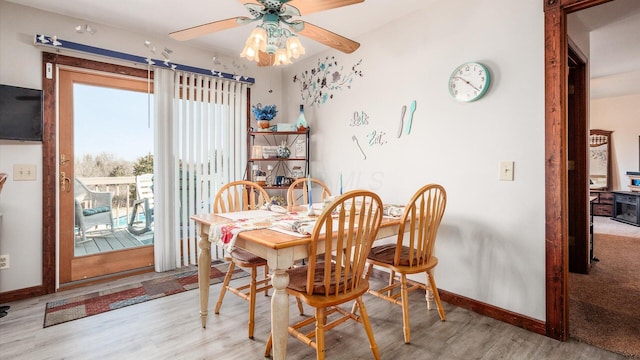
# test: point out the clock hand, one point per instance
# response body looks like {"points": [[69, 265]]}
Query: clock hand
{"points": [[468, 83]]}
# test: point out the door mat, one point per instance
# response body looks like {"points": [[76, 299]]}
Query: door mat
{"points": [[78, 307]]}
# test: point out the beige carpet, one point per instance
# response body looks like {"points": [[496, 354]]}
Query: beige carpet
{"points": [[605, 225], [604, 305]]}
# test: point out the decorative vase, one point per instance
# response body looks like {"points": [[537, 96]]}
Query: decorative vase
{"points": [[301, 124], [283, 151], [263, 124]]}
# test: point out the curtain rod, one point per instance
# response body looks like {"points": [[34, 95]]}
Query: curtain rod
{"points": [[54, 42]]}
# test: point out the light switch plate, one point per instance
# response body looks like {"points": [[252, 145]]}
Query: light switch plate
{"points": [[506, 170], [24, 172]]}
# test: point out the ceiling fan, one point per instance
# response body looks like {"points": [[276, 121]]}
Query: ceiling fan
{"points": [[272, 37]]}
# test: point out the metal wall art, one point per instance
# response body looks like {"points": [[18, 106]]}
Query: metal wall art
{"points": [[319, 84], [378, 137]]}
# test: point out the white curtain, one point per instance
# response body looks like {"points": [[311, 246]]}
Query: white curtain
{"points": [[200, 145], [166, 249]]}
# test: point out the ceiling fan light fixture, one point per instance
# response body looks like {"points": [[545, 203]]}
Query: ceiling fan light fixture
{"points": [[281, 57], [249, 53], [294, 47], [256, 42]]}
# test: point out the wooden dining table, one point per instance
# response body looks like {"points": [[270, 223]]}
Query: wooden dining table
{"points": [[281, 251]]}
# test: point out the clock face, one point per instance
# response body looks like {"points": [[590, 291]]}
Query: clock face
{"points": [[469, 82]]}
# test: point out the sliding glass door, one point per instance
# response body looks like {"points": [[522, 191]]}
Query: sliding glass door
{"points": [[106, 174]]}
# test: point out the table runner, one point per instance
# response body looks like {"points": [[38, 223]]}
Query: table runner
{"points": [[225, 235], [292, 223]]}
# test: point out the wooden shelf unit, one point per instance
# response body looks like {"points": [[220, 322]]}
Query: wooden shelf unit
{"points": [[281, 166]]}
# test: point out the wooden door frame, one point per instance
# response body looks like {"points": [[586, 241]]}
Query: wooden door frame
{"points": [[49, 155], [578, 145], [556, 183]]}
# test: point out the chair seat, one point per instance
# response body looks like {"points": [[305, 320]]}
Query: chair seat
{"points": [[298, 279], [246, 259], [386, 253], [100, 209]]}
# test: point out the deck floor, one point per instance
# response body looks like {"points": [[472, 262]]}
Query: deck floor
{"points": [[104, 241]]}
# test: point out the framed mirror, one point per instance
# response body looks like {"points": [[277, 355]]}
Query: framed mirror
{"points": [[600, 159]]}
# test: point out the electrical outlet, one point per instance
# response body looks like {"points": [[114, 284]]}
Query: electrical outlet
{"points": [[4, 261]]}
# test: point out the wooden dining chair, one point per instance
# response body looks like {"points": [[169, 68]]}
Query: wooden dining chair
{"points": [[334, 274], [300, 189], [413, 252], [241, 196], [3, 178]]}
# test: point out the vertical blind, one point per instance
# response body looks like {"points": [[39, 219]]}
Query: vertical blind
{"points": [[208, 149]]}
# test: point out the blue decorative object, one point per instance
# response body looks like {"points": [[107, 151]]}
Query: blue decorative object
{"points": [[301, 124], [319, 84], [268, 112]]}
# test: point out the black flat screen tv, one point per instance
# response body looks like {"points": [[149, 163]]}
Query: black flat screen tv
{"points": [[20, 113]]}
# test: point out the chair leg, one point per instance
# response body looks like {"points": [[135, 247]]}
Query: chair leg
{"points": [[392, 277], [367, 327], [428, 294], [269, 346], [367, 275], [252, 300], [300, 308], [321, 318], [266, 275], [405, 309], [223, 288], [434, 289], [83, 237]]}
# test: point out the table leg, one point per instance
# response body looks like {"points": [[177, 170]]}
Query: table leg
{"points": [[204, 274], [280, 313]]}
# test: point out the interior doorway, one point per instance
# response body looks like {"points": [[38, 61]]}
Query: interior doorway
{"points": [[580, 240], [557, 190]]}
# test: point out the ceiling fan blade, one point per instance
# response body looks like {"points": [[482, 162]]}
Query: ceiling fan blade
{"points": [[264, 59], [311, 6], [328, 38], [204, 29]]}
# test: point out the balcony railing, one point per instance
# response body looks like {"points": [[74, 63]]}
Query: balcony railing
{"points": [[124, 193]]}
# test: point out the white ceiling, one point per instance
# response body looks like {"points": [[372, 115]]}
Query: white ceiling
{"points": [[614, 58], [615, 38], [161, 17]]}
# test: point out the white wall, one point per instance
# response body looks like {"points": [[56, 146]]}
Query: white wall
{"points": [[491, 242], [20, 65], [622, 116], [21, 222]]}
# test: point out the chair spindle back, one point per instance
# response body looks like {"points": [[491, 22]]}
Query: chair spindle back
{"points": [[240, 195], [420, 222], [351, 223]]}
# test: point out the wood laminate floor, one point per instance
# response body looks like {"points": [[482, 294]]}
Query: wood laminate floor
{"points": [[169, 328]]}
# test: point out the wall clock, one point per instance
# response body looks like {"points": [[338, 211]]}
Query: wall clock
{"points": [[469, 82]]}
